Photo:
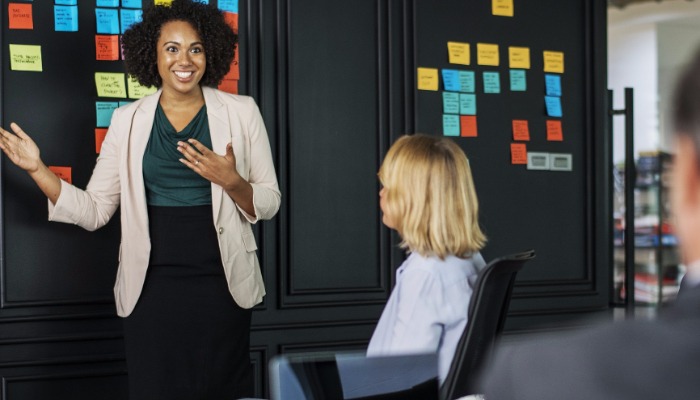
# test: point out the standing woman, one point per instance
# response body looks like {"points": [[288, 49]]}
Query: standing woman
{"points": [[191, 169]]}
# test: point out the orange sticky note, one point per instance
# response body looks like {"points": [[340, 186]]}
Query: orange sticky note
{"points": [[521, 130], [62, 172], [554, 131], [518, 153], [468, 125], [232, 20], [20, 16], [100, 134], [229, 86], [107, 47]]}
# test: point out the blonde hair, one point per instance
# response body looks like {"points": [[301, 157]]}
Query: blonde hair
{"points": [[429, 195]]}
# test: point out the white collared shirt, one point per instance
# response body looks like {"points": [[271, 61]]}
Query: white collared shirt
{"points": [[427, 310]]}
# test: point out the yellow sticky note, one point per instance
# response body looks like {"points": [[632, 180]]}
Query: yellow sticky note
{"points": [[25, 57], [503, 8], [554, 61], [137, 91], [428, 79], [110, 84], [163, 2], [487, 54], [459, 53], [519, 57]]}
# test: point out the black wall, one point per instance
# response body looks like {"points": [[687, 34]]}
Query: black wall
{"points": [[335, 81]]}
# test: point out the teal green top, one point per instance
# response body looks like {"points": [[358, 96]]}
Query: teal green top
{"points": [[168, 181]]}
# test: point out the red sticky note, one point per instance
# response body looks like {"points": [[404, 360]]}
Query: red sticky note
{"points": [[521, 130], [229, 86], [107, 47], [232, 20], [518, 153], [554, 132], [468, 125], [100, 134], [20, 16], [62, 172]]}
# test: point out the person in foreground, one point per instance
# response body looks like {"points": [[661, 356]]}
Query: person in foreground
{"points": [[191, 169], [657, 359], [428, 197]]}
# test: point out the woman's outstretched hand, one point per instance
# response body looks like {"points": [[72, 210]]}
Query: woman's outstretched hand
{"points": [[20, 148]]}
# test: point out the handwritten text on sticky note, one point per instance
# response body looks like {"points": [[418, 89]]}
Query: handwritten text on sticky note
{"points": [[427, 79], [20, 16], [25, 57], [110, 84], [521, 130], [487, 54], [458, 53]]}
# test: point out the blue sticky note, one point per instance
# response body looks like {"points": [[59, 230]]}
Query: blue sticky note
{"points": [[103, 111], [467, 104], [450, 125], [65, 18], [553, 104], [131, 3], [229, 5], [466, 81], [450, 103], [518, 83], [107, 3], [450, 79], [129, 17], [123, 103], [492, 82], [203, 1], [66, 2], [552, 84], [107, 21]]}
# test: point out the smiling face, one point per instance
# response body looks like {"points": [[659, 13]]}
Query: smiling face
{"points": [[181, 58]]}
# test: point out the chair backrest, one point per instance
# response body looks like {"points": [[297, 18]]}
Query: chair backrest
{"points": [[487, 315]]}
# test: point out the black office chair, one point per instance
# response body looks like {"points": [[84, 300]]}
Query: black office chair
{"points": [[487, 314]]}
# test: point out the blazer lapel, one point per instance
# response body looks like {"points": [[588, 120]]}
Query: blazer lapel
{"points": [[217, 117]]}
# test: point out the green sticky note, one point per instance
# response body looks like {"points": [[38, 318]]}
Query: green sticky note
{"points": [[450, 125], [450, 103], [518, 83], [467, 104]]}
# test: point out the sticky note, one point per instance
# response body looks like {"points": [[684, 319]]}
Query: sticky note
{"points": [[427, 79], [110, 84], [521, 130], [163, 2], [107, 47], [492, 82], [24, 57], [518, 82], [450, 125], [66, 2], [458, 53], [229, 5], [487, 54], [20, 16], [229, 86], [103, 112], [65, 18], [137, 91], [62, 173], [123, 103], [100, 134], [467, 104], [553, 61], [518, 153], [466, 81], [554, 131], [503, 8], [107, 21], [450, 80], [553, 105], [129, 17], [107, 3], [552, 85], [132, 3], [519, 57], [450, 103], [232, 21], [468, 125]]}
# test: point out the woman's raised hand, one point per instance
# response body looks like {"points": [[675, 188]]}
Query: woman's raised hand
{"points": [[20, 148]]}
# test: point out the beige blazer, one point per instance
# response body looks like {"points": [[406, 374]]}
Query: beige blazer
{"points": [[117, 180]]}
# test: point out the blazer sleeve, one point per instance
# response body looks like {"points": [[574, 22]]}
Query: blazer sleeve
{"points": [[262, 177], [93, 207]]}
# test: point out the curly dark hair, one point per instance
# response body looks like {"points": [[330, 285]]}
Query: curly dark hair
{"points": [[140, 40]]}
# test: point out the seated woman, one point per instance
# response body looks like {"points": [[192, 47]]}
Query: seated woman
{"points": [[428, 197]]}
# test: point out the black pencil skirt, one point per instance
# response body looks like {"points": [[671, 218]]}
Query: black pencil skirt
{"points": [[187, 338]]}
